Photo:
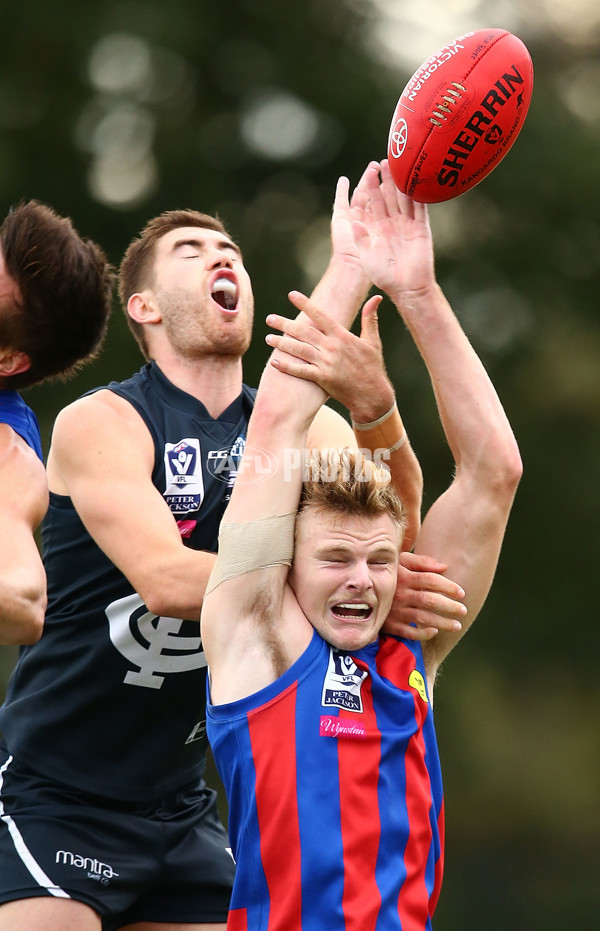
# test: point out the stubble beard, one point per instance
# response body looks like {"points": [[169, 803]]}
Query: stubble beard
{"points": [[194, 331]]}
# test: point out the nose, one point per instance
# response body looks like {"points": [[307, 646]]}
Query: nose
{"points": [[359, 579], [218, 258]]}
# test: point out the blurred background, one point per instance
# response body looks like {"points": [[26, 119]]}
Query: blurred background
{"points": [[114, 111]]}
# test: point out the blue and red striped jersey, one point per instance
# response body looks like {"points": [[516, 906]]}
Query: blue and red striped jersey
{"points": [[335, 795], [21, 418]]}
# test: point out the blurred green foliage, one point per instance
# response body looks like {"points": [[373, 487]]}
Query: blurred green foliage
{"points": [[113, 112]]}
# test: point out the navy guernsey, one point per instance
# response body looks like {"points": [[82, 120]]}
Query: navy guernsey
{"points": [[21, 418], [111, 700]]}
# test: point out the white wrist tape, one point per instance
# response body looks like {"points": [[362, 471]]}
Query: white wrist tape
{"points": [[382, 436], [256, 545]]}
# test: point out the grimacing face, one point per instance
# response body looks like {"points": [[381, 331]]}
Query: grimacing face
{"points": [[344, 574], [203, 291]]}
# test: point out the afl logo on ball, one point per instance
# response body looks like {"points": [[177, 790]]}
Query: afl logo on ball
{"points": [[398, 138]]}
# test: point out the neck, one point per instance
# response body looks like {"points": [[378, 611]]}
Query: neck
{"points": [[216, 381]]}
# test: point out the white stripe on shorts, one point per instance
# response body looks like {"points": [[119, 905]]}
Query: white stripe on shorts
{"points": [[22, 849]]}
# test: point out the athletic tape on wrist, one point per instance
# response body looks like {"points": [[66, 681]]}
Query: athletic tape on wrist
{"points": [[256, 545], [384, 435]]}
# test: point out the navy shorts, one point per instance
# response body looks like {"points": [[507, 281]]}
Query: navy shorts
{"points": [[166, 862]]}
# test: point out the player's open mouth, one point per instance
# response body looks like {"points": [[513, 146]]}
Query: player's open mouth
{"points": [[225, 293], [352, 612]]}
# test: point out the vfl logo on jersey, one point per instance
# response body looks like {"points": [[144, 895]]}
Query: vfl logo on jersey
{"points": [[343, 682], [184, 487], [151, 643]]}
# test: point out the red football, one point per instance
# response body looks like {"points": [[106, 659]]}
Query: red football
{"points": [[459, 115]]}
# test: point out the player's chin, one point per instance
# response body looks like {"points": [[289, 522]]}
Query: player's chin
{"points": [[352, 636], [234, 341]]}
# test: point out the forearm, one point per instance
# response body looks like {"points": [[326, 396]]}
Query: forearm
{"points": [[291, 403], [284, 409], [342, 289], [474, 421], [384, 437]]}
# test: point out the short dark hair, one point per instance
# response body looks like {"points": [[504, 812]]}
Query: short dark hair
{"points": [[136, 267], [65, 284]]}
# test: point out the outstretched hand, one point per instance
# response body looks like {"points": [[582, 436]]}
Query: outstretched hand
{"points": [[425, 602], [318, 349], [348, 210], [393, 237]]}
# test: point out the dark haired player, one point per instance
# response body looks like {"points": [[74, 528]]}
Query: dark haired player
{"points": [[55, 300], [107, 821]]}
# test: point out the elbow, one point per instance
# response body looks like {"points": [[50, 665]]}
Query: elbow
{"points": [[33, 632], [504, 470], [158, 601], [511, 469], [163, 600], [24, 627]]}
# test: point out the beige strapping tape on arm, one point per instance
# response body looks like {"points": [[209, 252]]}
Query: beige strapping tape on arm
{"points": [[256, 545]]}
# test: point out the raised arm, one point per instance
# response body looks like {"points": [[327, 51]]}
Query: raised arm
{"points": [[465, 526], [351, 369], [252, 628], [340, 293], [285, 407], [22, 577]]}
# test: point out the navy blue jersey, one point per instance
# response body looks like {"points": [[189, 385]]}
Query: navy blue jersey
{"points": [[112, 698], [21, 418]]}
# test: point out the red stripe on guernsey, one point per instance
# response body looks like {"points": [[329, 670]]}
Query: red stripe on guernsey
{"points": [[360, 823], [413, 900], [237, 920], [279, 834]]}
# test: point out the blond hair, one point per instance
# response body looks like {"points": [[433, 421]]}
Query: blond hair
{"points": [[344, 482]]}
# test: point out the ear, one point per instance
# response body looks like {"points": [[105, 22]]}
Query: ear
{"points": [[13, 362], [142, 308]]}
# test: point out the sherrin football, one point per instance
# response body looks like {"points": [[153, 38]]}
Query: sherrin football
{"points": [[459, 115]]}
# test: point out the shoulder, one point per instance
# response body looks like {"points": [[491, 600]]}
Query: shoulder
{"points": [[22, 476], [13, 448], [99, 432], [94, 412]]}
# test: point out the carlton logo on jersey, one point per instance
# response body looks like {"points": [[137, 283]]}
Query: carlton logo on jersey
{"points": [[184, 486], [343, 682], [228, 466], [152, 644], [224, 463]]}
